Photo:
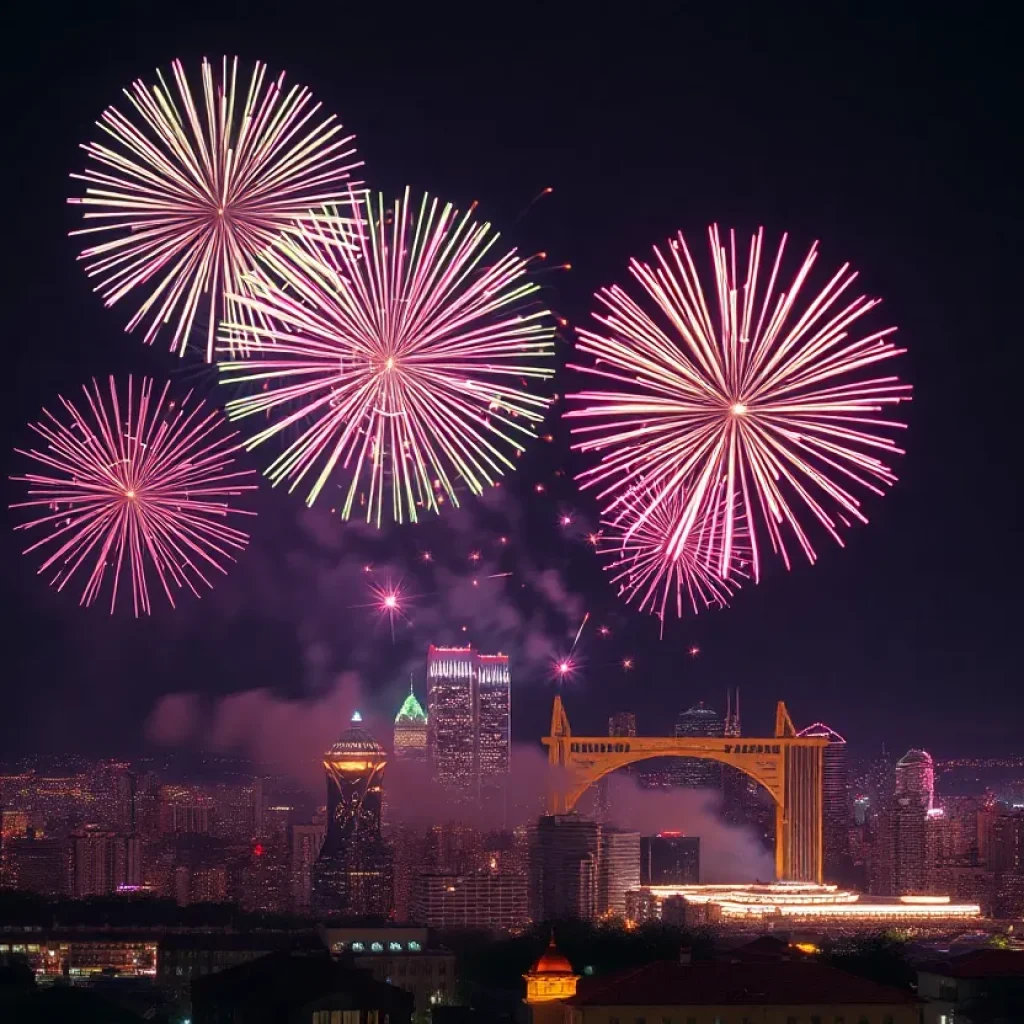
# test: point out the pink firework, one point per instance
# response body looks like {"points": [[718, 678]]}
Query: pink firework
{"points": [[646, 568], [134, 484], [400, 357], [182, 194], [772, 400]]}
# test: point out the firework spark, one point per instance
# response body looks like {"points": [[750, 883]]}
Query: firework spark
{"points": [[134, 484], [770, 400], [401, 350], [645, 566], [184, 194]]}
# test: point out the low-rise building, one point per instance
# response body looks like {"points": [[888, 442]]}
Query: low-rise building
{"points": [[705, 993], [985, 984], [399, 956]]}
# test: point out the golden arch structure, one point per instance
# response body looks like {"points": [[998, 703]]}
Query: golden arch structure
{"points": [[790, 767]]}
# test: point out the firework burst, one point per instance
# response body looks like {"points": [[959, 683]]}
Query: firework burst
{"points": [[134, 484], [645, 567], [185, 193], [398, 351], [769, 401]]}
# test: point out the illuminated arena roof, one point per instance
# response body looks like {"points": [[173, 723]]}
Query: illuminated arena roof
{"points": [[805, 902]]}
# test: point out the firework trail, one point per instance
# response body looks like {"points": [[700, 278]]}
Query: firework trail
{"points": [[769, 398], [134, 484], [644, 566], [402, 352], [183, 194], [579, 633]]}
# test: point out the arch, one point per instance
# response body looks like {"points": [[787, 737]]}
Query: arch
{"points": [[790, 767]]}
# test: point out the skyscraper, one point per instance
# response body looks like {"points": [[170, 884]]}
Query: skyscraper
{"points": [[618, 870], [564, 873], [101, 861], [915, 777], [622, 723], [493, 707], [468, 720], [354, 873], [836, 803], [669, 858], [411, 730], [692, 772]]}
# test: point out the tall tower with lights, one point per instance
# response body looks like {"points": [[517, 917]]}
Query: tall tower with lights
{"points": [[468, 720], [411, 730], [836, 810], [353, 874]]}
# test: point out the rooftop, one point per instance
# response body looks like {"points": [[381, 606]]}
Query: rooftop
{"points": [[552, 961], [980, 963], [774, 983], [411, 711]]}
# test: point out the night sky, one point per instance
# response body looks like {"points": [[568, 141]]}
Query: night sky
{"points": [[894, 141]]}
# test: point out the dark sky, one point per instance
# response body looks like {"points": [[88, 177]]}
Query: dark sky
{"points": [[894, 140]]}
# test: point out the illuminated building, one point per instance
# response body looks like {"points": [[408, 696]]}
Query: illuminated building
{"points": [[491, 900], [405, 957], [354, 873], [185, 809], [622, 723], [1006, 846], [794, 904], [669, 858], [915, 778], [411, 730], [732, 714], [267, 878], [77, 953], [468, 720], [37, 864], [835, 802], [691, 772], [900, 857], [306, 843], [549, 982], [618, 870], [103, 861], [564, 875]]}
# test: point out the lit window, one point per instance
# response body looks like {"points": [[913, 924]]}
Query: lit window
{"points": [[414, 947], [377, 947], [358, 947], [395, 947]]}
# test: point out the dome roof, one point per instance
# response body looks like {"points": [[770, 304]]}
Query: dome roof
{"points": [[912, 757], [699, 711], [356, 742], [552, 961]]}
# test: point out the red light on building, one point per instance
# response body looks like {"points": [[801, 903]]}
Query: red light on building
{"points": [[258, 849]]}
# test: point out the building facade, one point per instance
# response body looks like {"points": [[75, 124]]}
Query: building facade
{"points": [[491, 900], [353, 874], [669, 858], [836, 809], [565, 852], [694, 773], [411, 730], [468, 721]]}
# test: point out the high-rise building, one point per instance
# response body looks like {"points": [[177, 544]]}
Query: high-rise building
{"points": [[493, 723], [698, 773], [468, 720], [669, 858], [565, 852], [306, 843], [618, 870], [622, 723], [102, 861], [411, 730], [732, 714], [354, 873], [451, 724], [37, 864], [836, 809], [915, 777], [494, 900], [1006, 849]]}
